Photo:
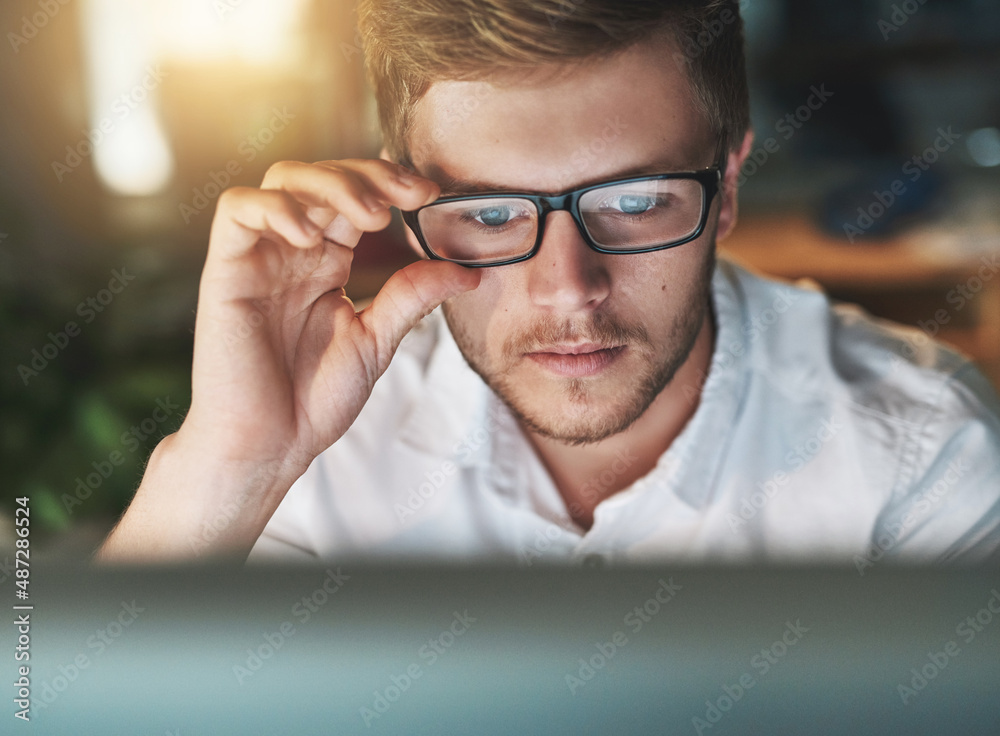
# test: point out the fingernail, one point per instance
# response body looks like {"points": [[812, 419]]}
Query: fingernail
{"points": [[372, 204]]}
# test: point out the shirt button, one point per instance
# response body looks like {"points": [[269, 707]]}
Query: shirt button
{"points": [[594, 561]]}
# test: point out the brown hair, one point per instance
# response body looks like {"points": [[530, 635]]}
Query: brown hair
{"points": [[409, 44]]}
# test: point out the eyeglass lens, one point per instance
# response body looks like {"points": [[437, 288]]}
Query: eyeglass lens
{"points": [[625, 216]]}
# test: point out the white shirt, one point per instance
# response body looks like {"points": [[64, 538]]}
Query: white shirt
{"points": [[822, 435]]}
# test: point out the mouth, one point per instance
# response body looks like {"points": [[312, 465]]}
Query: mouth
{"points": [[576, 361]]}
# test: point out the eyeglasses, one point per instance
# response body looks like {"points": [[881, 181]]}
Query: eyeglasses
{"points": [[634, 215]]}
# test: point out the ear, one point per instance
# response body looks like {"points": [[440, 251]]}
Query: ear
{"points": [[730, 187]]}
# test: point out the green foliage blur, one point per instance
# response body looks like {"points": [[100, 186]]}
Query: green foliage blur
{"points": [[66, 437]]}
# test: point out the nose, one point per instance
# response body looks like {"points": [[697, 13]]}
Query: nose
{"points": [[566, 275]]}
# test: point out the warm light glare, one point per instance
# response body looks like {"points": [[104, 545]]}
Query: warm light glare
{"points": [[131, 154], [126, 43], [260, 32], [137, 159]]}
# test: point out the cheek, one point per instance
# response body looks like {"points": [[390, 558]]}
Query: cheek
{"points": [[481, 314], [661, 280]]}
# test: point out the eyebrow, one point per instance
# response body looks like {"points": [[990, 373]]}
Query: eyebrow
{"points": [[453, 186]]}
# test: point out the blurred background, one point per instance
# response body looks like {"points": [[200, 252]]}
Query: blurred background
{"points": [[874, 172]]}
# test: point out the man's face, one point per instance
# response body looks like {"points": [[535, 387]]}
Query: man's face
{"points": [[576, 342]]}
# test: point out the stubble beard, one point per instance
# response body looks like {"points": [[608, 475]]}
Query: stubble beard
{"points": [[579, 427]]}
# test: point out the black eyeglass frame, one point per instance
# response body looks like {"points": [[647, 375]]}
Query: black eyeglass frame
{"points": [[569, 201]]}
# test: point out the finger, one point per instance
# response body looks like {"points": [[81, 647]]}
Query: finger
{"points": [[362, 191], [397, 185], [244, 215], [408, 296]]}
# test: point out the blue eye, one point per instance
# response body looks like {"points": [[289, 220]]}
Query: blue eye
{"points": [[498, 215], [493, 216], [632, 204]]}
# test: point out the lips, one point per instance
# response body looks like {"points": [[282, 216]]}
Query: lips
{"points": [[576, 361]]}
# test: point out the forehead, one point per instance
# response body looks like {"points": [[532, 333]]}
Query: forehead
{"points": [[562, 126]]}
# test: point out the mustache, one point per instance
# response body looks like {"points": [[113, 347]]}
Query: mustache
{"points": [[600, 328]]}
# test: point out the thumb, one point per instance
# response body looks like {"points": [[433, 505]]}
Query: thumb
{"points": [[410, 295]]}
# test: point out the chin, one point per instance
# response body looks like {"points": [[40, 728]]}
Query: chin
{"points": [[578, 417]]}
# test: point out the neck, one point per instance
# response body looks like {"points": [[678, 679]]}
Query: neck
{"points": [[581, 473]]}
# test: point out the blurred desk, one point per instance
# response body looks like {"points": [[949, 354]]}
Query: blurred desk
{"points": [[924, 278]]}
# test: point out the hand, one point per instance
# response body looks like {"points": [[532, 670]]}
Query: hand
{"points": [[282, 363]]}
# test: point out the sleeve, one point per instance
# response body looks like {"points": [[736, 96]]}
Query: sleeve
{"points": [[950, 512]]}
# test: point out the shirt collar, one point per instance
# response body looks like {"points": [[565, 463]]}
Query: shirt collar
{"points": [[695, 457]]}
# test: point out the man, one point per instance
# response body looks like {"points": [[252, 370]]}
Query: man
{"points": [[595, 388]]}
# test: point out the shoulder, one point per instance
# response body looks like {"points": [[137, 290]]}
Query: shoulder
{"points": [[918, 426], [797, 337], [922, 424]]}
